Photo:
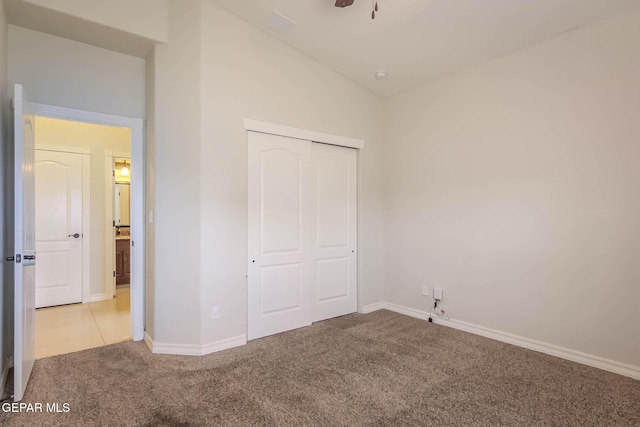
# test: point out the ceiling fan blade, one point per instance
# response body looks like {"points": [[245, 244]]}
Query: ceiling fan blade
{"points": [[343, 3]]}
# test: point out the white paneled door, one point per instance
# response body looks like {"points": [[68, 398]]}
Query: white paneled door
{"points": [[334, 239], [301, 233], [58, 189], [279, 296], [24, 244]]}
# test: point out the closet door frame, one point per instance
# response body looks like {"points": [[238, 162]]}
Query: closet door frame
{"points": [[324, 138]]}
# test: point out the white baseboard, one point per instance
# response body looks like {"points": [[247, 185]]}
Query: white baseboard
{"points": [[542, 347], [408, 311], [194, 349], [100, 297], [372, 307], [224, 344]]}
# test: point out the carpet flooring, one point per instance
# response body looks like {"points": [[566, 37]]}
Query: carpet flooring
{"points": [[378, 369]]}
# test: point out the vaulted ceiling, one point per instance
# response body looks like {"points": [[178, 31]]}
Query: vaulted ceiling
{"points": [[417, 41]]}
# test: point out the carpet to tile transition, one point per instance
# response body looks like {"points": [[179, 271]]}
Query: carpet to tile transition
{"points": [[381, 368]]}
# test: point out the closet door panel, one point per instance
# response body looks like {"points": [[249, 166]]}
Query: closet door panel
{"points": [[332, 279], [281, 197], [279, 233], [334, 180]]}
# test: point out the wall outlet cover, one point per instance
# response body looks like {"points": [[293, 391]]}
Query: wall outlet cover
{"points": [[438, 294]]}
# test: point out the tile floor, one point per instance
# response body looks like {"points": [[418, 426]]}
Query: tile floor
{"points": [[76, 327]]}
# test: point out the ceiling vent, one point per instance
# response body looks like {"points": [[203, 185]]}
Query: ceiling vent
{"points": [[278, 23]]}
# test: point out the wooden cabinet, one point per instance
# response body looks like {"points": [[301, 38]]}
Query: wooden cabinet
{"points": [[122, 261]]}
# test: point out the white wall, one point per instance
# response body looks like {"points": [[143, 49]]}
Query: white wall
{"points": [[176, 168], [67, 73], [98, 138], [246, 73], [514, 186], [144, 18]]}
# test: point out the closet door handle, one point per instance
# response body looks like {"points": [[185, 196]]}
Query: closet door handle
{"points": [[75, 235]]}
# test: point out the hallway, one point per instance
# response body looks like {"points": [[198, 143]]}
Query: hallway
{"points": [[69, 328]]}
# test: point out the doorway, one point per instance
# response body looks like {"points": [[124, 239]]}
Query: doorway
{"points": [[77, 305], [133, 296], [122, 221]]}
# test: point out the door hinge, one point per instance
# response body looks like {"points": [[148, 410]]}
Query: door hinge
{"points": [[114, 223], [13, 103], [114, 273], [133, 243], [113, 172]]}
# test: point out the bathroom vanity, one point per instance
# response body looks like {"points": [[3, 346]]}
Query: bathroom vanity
{"points": [[123, 245]]}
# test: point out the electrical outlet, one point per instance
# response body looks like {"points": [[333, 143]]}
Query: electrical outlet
{"points": [[438, 294], [215, 312], [425, 290]]}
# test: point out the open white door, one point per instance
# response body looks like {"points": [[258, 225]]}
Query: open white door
{"points": [[58, 193], [25, 244]]}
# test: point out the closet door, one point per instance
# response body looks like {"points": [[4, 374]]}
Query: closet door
{"points": [[279, 233], [334, 182]]}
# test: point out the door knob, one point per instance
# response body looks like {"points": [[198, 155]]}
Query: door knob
{"points": [[75, 236]]}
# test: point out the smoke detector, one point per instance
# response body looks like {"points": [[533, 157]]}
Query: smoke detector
{"points": [[381, 75]]}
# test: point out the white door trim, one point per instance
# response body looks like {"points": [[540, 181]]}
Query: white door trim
{"points": [[60, 148], [308, 135], [136, 125], [86, 227], [121, 154], [110, 250], [86, 211]]}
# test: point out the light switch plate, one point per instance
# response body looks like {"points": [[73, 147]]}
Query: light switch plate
{"points": [[437, 294]]}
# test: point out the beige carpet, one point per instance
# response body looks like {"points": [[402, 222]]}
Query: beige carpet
{"points": [[377, 369]]}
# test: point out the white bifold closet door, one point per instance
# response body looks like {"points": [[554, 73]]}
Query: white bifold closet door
{"points": [[301, 233]]}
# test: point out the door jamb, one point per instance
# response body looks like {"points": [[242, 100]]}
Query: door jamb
{"points": [[110, 159], [136, 125]]}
